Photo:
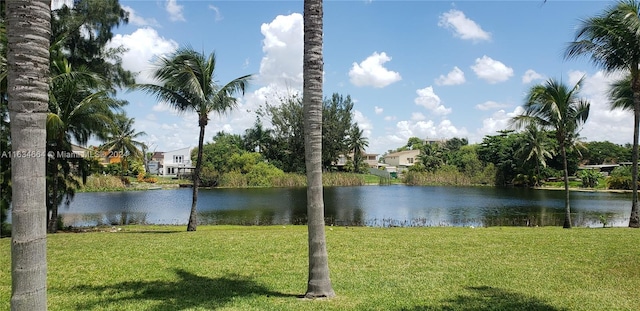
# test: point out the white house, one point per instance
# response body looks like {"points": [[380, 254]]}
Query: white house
{"points": [[177, 162]]}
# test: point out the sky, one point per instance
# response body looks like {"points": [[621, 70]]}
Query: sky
{"points": [[429, 69]]}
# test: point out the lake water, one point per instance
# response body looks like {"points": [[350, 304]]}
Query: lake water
{"points": [[382, 206]]}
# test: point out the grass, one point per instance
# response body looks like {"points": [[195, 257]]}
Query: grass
{"points": [[412, 269]]}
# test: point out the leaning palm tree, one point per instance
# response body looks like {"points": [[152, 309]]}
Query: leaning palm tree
{"points": [[612, 41], [121, 140], [357, 144], [318, 284], [555, 106], [28, 33], [187, 82]]}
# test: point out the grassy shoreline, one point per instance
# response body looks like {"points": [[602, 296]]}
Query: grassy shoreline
{"points": [[264, 268]]}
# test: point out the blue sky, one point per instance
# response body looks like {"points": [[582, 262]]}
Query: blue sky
{"points": [[431, 69]]}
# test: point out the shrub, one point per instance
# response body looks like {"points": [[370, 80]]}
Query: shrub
{"points": [[620, 178]]}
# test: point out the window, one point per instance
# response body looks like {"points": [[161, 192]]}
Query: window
{"points": [[410, 160], [177, 159]]}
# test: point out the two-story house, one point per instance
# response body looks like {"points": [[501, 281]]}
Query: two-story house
{"points": [[177, 162], [402, 160]]}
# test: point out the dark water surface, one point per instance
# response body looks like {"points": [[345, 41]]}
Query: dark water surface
{"points": [[381, 206]]}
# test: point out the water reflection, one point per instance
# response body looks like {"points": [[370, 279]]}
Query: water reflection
{"points": [[381, 206]]}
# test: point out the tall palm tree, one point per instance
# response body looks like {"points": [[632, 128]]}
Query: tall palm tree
{"points": [[187, 82], [318, 284], [357, 144], [28, 34], [79, 106], [121, 140], [555, 106], [611, 40], [537, 147]]}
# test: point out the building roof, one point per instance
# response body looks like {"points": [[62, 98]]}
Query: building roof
{"points": [[399, 153]]}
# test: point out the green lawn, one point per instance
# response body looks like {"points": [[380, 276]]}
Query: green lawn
{"points": [[265, 268]]}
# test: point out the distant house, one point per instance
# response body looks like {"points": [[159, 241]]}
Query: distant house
{"points": [[402, 160], [370, 158], [156, 162], [177, 162]]}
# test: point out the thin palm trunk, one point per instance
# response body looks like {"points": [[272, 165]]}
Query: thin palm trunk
{"points": [[28, 34], [634, 219], [319, 284], [193, 215], [52, 223], [567, 208]]}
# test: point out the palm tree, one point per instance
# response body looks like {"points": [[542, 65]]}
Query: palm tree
{"points": [[555, 106], [79, 106], [611, 40], [357, 144], [187, 82], [537, 147], [431, 156], [121, 140], [28, 33], [318, 284]]}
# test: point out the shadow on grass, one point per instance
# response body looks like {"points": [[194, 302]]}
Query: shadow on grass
{"points": [[486, 298], [190, 291]]}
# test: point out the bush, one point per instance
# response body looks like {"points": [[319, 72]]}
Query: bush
{"points": [[620, 178]]}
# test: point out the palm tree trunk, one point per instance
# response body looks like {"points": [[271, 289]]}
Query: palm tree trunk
{"points": [[193, 215], [53, 202], [319, 284], [634, 219], [567, 208], [28, 34]]}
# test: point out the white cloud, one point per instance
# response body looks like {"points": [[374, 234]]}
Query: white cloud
{"points": [[138, 20], [498, 121], [282, 45], [454, 77], [428, 99], [530, 75], [491, 70], [575, 76], [218, 15], [390, 118], [142, 46], [363, 123], [378, 110], [462, 26], [371, 72], [615, 126], [489, 105], [417, 116], [175, 11]]}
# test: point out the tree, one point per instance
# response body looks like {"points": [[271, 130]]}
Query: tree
{"points": [[357, 144], [80, 106], [414, 143], [187, 82], [336, 123], [431, 157], [121, 140], [257, 138], [499, 150], [288, 130], [555, 106], [28, 34], [81, 32], [318, 284], [536, 146], [611, 41]]}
